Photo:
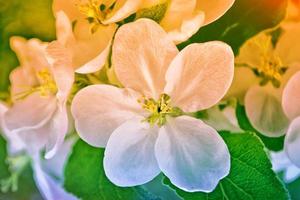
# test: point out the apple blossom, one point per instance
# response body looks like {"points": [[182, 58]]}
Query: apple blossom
{"points": [[261, 73], [281, 163], [86, 27], [143, 125], [39, 92], [291, 106]]}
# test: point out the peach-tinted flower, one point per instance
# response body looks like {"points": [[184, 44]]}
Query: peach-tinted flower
{"points": [[39, 91], [182, 18], [142, 125], [87, 27], [261, 73]]}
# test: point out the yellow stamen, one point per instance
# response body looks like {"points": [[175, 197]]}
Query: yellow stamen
{"points": [[46, 87], [159, 110]]}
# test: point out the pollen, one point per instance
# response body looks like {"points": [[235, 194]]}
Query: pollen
{"points": [[159, 109], [271, 68]]}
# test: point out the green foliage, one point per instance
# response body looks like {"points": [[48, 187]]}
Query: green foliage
{"points": [[251, 176], [245, 19], [26, 185], [30, 19], [85, 177], [274, 144]]}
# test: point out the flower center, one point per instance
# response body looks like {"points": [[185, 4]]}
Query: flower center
{"points": [[270, 69], [96, 12], [46, 87], [159, 110]]}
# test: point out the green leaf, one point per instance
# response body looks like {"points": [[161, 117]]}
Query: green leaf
{"points": [[293, 188], [251, 176], [85, 177], [274, 144], [30, 19], [245, 19], [26, 184]]}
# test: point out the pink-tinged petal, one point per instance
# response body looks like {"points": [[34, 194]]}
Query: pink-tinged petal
{"points": [[288, 45], [99, 109], [69, 7], [33, 111], [64, 32], [291, 97], [60, 60], [141, 55], [214, 9], [95, 64], [129, 155], [292, 141], [58, 129], [192, 154], [55, 165], [30, 53], [122, 9], [50, 188], [291, 70], [200, 75], [264, 110], [188, 28], [244, 78]]}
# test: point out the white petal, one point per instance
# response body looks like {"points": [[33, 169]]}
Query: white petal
{"points": [[264, 110], [129, 155], [292, 141], [49, 188], [33, 111], [200, 75], [291, 97], [141, 55], [99, 109], [58, 129], [192, 154]]}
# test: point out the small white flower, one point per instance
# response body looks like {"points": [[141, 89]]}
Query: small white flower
{"points": [[142, 126]]}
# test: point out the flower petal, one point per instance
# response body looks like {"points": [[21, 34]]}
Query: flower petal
{"points": [[31, 112], [99, 109], [181, 20], [64, 32], [264, 110], [129, 155], [141, 55], [206, 68], [58, 129], [49, 188], [69, 7], [192, 154], [214, 9], [121, 10], [240, 84], [291, 97], [292, 141], [60, 60], [288, 45]]}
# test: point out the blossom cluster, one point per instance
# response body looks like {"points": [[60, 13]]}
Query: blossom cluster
{"points": [[115, 77]]}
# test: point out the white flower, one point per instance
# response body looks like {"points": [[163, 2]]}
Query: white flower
{"points": [[39, 90], [291, 106], [142, 126], [281, 163]]}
